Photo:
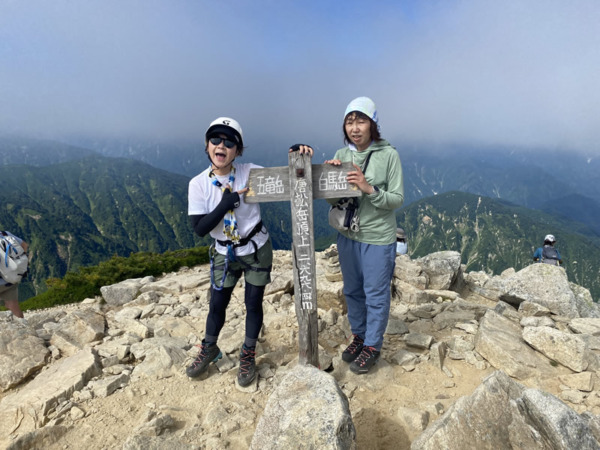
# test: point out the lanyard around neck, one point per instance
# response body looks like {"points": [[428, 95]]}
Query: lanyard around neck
{"points": [[217, 183]]}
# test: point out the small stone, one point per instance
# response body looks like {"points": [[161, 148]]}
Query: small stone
{"points": [[76, 413]]}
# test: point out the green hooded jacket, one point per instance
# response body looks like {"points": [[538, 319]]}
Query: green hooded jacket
{"points": [[377, 211]]}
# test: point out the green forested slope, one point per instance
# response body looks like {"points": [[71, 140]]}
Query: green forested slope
{"points": [[82, 212]]}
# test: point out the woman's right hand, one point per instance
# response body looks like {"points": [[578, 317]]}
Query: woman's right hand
{"points": [[334, 162]]}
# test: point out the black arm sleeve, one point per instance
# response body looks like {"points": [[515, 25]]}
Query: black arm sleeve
{"points": [[204, 223]]}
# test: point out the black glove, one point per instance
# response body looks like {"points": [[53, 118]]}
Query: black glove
{"points": [[296, 147]]}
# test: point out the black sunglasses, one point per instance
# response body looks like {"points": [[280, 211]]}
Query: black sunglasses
{"points": [[217, 140]]}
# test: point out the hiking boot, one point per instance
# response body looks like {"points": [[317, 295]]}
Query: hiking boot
{"points": [[367, 359], [354, 349], [247, 372], [209, 352]]}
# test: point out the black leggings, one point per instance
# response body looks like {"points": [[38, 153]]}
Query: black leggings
{"points": [[219, 300]]}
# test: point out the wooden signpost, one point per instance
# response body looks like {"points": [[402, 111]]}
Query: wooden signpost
{"points": [[299, 183]]}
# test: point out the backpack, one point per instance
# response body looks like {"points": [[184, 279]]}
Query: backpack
{"points": [[550, 255], [13, 259]]}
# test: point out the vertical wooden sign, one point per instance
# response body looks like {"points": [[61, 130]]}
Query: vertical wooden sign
{"points": [[298, 183], [303, 256]]}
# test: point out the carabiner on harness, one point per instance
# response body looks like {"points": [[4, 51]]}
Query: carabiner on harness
{"points": [[231, 252], [211, 252]]}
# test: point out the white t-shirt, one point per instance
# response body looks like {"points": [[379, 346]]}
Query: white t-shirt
{"points": [[204, 196]]}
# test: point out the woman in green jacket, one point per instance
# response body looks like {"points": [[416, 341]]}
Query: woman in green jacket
{"points": [[367, 255]]}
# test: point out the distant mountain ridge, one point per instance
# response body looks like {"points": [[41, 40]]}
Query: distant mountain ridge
{"points": [[529, 179], [80, 212], [543, 179], [38, 152]]}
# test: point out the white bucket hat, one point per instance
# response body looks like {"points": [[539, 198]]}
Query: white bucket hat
{"points": [[364, 105]]}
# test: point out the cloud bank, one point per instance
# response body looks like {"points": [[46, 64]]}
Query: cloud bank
{"points": [[483, 72]]}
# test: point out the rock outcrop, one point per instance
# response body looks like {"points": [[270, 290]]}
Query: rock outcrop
{"points": [[110, 371], [308, 409], [503, 414]]}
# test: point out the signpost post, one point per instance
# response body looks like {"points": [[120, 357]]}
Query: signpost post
{"points": [[299, 183]]}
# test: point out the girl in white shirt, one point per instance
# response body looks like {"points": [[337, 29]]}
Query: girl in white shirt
{"points": [[242, 245]]}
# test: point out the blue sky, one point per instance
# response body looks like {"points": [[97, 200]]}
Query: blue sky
{"points": [[515, 73]]}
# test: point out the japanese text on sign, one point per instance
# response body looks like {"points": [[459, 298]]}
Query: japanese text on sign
{"points": [[270, 185], [333, 181], [303, 249]]}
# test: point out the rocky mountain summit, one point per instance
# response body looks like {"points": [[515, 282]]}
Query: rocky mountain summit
{"points": [[469, 360]]}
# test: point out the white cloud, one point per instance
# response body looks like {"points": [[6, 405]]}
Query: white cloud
{"points": [[515, 73]]}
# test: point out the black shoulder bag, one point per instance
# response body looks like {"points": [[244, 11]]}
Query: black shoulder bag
{"points": [[343, 216]]}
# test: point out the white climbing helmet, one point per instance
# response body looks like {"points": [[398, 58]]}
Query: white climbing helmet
{"points": [[227, 126], [550, 238]]}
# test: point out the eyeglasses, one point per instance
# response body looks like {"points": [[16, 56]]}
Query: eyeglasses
{"points": [[217, 140]]}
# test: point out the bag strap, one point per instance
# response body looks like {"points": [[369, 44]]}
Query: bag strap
{"points": [[354, 200], [364, 170], [366, 164]]}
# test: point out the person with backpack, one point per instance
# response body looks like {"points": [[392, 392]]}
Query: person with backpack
{"points": [[367, 251], [242, 244], [548, 254], [401, 244], [13, 267]]}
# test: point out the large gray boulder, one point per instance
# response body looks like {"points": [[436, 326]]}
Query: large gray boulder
{"points": [[568, 349], [442, 269], [124, 292], [499, 340], [26, 410], [481, 283], [78, 329], [22, 353], [584, 301], [504, 414], [545, 285], [410, 272], [307, 410], [175, 284], [408, 294]]}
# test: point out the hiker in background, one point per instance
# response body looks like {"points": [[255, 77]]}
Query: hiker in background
{"points": [[548, 254], [367, 255], [242, 244], [401, 245], [9, 292]]}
